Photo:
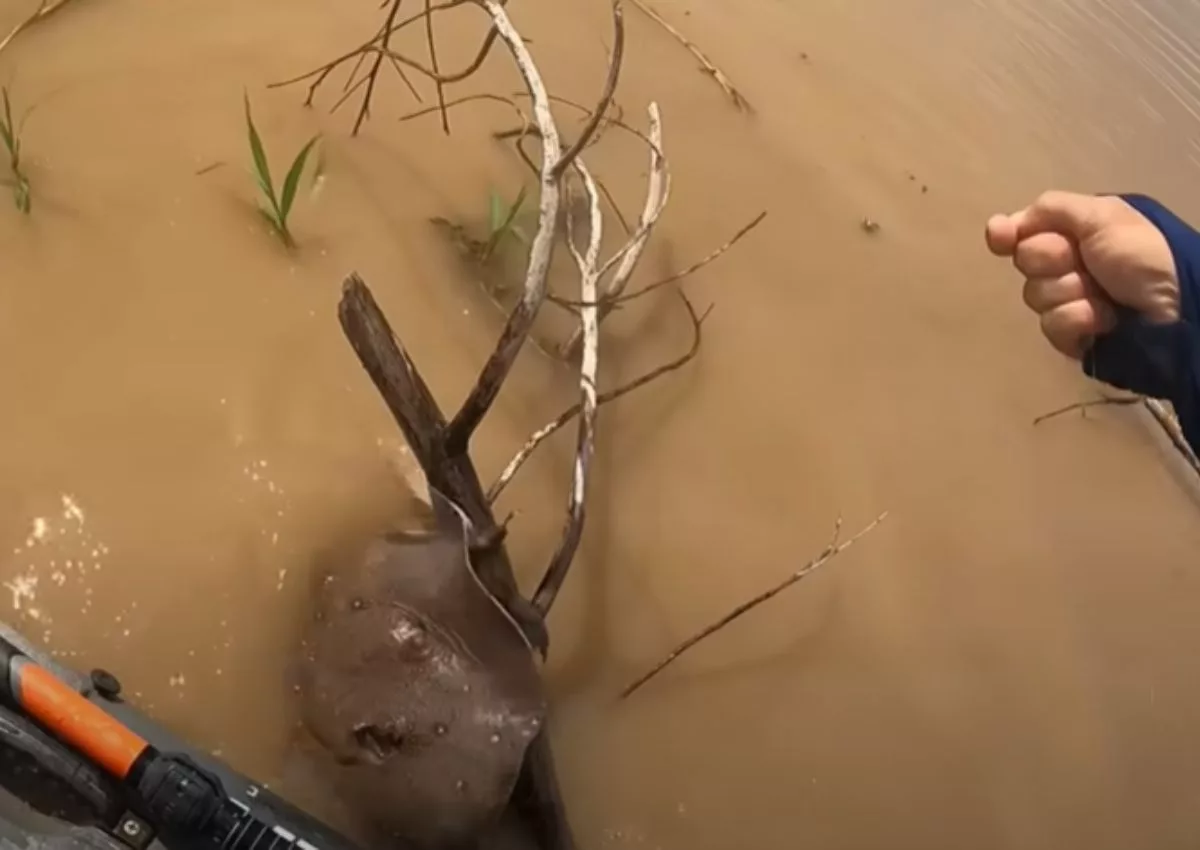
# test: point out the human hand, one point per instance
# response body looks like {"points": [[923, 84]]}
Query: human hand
{"points": [[1080, 255]]}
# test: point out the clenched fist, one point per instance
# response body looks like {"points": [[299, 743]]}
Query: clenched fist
{"points": [[1080, 255]]}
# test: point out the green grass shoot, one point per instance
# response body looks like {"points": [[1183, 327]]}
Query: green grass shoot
{"points": [[276, 207], [10, 134], [502, 222]]}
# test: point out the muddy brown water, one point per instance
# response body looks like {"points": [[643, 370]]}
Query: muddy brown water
{"points": [[1008, 662]]}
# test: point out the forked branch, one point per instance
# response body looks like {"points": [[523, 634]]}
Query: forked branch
{"points": [[554, 159], [626, 259], [520, 321], [549, 429]]}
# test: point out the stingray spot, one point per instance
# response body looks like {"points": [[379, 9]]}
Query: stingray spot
{"points": [[495, 738], [460, 785], [357, 604], [440, 729]]}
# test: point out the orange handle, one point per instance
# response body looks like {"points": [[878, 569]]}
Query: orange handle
{"points": [[74, 720]]}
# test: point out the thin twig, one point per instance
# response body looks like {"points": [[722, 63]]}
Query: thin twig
{"points": [[433, 61], [831, 551], [458, 101], [589, 321], [379, 45], [44, 10], [365, 109], [679, 275], [399, 69], [349, 92], [712, 70], [546, 431], [324, 70], [520, 321], [1162, 415], [606, 96], [1103, 401]]}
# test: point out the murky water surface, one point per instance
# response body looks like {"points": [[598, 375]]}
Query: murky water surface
{"points": [[1008, 662]]}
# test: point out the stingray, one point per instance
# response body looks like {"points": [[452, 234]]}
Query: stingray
{"points": [[420, 685]]}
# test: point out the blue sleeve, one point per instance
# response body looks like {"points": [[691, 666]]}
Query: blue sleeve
{"points": [[1161, 361]]}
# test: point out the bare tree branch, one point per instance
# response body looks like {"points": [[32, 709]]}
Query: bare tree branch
{"points": [[379, 46], [324, 70], [712, 70], [560, 563], [546, 431], [365, 109], [606, 96], [520, 322], [433, 62], [831, 551], [679, 275], [626, 259]]}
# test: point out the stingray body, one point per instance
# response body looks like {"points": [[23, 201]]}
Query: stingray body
{"points": [[420, 686]]}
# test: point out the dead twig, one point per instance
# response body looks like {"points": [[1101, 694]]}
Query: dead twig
{"points": [[433, 62], [677, 276], [373, 75], [546, 431], [589, 273], [1158, 410], [379, 46], [45, 9], [712, 70], [831, 551], [520, 321], [610, 88], [1103, 401]]}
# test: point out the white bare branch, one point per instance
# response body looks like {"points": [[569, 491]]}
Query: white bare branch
{"points": [[657, 192]]}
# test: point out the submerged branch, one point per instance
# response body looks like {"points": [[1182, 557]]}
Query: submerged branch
{"points": [[831, 551]]}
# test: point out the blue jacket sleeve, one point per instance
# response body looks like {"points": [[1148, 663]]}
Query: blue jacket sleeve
{"points": [[1161, 361]]}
